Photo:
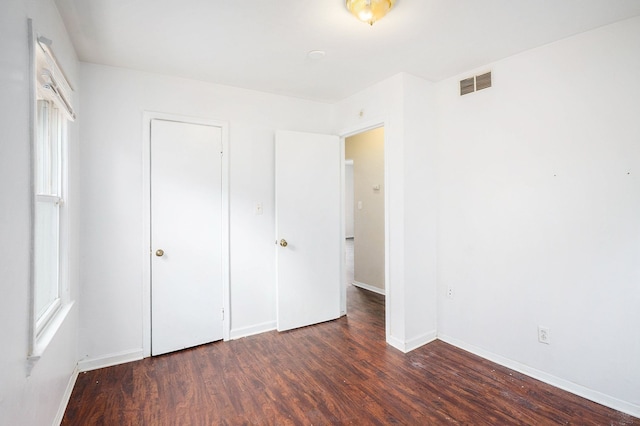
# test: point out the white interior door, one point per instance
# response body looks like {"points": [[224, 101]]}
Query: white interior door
{"points": [[308, 218], [186, 243]]}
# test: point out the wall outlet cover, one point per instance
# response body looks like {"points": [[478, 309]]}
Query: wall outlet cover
{"points": [[544, 335]]}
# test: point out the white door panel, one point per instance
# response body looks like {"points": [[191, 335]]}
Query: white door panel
{"points": [[186, 291], [308, 218]]}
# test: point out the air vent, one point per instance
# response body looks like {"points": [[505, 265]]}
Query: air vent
{"points": [[473, 84], [483, 81], [467, 86]]}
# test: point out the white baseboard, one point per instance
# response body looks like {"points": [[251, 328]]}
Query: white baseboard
{"points": [[110, 360], [66, 396], [421, 340], [251, 330], [590, 394], [369, 287], [396, 343], [411, 344]]}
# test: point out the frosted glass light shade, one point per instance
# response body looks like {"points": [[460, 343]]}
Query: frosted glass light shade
{"points": [[369, 11]]}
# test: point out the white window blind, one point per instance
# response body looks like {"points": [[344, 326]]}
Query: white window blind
{"points": [[52, 83]]}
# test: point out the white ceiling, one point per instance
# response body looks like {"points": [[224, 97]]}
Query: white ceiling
{"points": [[263, 44]]}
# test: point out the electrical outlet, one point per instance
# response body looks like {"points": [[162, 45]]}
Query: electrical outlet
{"points": [[544, 335], [450, 292]]}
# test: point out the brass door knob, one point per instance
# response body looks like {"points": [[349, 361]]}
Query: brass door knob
{"points": [[284, 243], [159, 252]]}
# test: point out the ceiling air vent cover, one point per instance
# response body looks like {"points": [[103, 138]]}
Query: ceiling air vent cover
{"points": [[483, 81], [473, 84], [467, 86]]}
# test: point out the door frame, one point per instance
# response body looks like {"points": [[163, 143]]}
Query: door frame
{"points": [[147, 116], [345, 202], [345, 133]]}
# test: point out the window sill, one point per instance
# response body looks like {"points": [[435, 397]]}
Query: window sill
{"points": [[47, 335]]}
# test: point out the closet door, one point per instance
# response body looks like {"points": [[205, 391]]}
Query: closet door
{"points": [[186, 229]]}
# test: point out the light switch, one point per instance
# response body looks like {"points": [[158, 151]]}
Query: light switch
{"points": [[376, 187], [258, 209], [359, 205]]}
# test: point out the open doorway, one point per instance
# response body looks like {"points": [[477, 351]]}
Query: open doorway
{"points": [[365, 213]]}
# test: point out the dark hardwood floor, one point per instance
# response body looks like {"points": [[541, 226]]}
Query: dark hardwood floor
{"points": [[339, 372]]}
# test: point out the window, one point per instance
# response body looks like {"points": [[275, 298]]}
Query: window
{"points": [[52, 110], [50, 138]]}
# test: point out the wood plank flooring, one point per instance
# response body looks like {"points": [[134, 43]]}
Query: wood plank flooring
{"points": [[339, 372]]}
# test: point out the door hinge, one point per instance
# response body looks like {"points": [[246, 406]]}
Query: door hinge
{"points": [[222, 314]]}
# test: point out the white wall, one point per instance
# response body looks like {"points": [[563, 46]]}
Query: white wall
{"points": [[36, 399], [405, 105], [420, 215], [113, 102], [539, 218]]}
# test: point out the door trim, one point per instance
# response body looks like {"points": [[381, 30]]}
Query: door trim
{"points": [[147, 116], [345, 133]]}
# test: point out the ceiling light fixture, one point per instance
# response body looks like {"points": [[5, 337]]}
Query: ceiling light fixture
{"points": [[370, 11]]}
